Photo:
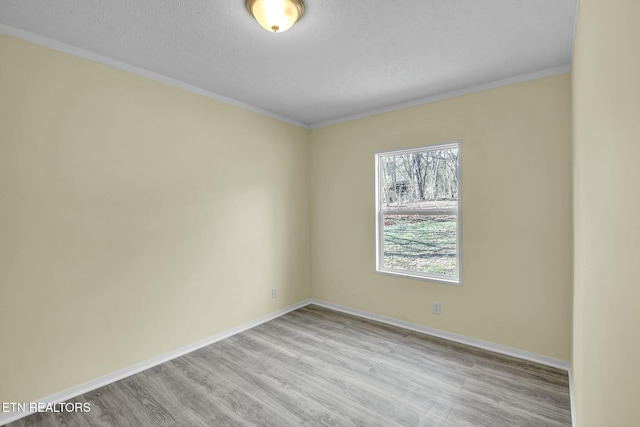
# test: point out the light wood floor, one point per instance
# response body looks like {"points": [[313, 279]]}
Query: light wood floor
{"points": [[317, 367]]}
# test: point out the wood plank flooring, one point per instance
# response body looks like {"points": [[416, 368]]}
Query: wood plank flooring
{"points": [[318, 367]]}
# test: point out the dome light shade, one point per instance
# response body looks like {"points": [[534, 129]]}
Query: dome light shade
{"points": [[276, 16]]}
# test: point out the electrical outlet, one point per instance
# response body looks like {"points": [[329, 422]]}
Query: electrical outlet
{"points": [[436, 308], [274, 293]]}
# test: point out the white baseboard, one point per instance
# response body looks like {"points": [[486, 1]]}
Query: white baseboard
{"points": [[70, 393], [572, 397], [496, 348], [486, 345]]}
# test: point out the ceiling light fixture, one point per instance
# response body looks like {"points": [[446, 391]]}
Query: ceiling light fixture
{"points": [[276, 15]]}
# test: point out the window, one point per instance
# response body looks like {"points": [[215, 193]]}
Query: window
{"points": [[418, 214]]}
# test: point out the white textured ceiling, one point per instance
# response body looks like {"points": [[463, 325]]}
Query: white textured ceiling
{"points": [[343, 58]]}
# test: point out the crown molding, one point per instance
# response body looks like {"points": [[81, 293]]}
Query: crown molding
{"points": [[142, 72], [114, 63], [446, 95]]}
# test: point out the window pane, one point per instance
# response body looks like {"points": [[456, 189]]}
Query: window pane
{"points": [[423, 179], [417, 212], [420, 243]]}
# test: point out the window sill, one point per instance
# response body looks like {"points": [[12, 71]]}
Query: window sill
{"points": [[407, 274]]}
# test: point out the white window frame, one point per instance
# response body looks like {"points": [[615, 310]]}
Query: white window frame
{"points": [[380, 212]]}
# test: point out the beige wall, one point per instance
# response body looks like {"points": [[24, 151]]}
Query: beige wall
{"points": [[516, 215], [135, 218], [606, 100]]}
